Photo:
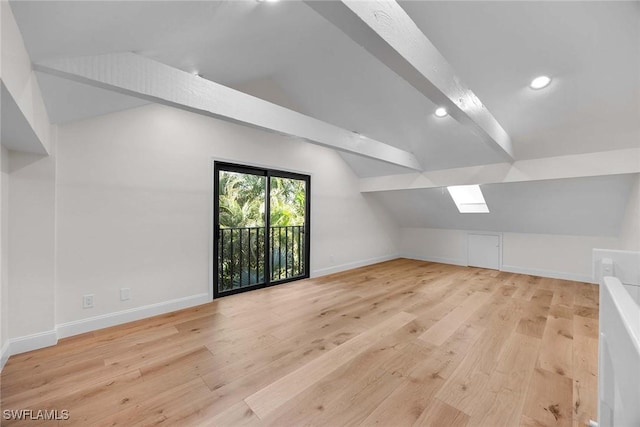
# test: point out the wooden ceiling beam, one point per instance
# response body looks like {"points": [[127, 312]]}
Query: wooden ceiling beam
{"points": [[384, 29], [144, 78]]}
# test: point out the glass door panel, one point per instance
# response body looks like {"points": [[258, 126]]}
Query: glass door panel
{"points": [[241, 230], [287, 219]]}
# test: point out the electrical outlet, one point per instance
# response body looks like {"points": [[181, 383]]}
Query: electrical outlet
{"points": [[87, 301], [125, 294]]}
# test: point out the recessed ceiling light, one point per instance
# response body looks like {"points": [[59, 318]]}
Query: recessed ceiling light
{"points": [[441, 112], [540, 82]]}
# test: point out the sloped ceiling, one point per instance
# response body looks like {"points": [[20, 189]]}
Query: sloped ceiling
{"points": [[591, 206], [67, 100], [288, 54], [591, 49], [495, 47]]}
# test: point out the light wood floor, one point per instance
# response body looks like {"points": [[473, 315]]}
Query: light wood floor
{"points": [[398, 343]]}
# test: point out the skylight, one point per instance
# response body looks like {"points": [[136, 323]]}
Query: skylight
{"points": [[468, 198]]}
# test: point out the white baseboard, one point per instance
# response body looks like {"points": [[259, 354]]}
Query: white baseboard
{"points": [[510, 269], [111, 319], [548, 273], [453, 261], [351, 265], [4, 354], [30, 342], [49, 338]]}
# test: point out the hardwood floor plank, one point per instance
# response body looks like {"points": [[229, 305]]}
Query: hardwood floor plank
{"points": [[407, 403], [585, 380], [470, 380], [563, 294], [361, 398], [526, 286], [330, 394], [535, 318], [505, 396], [585, 326], [440, 414], [269, 398], [549, 399], [409, 400], [445, 327], [238, 415], [159, 407], [591, 313], [586, 295], [86, 403], [556, 354], [241, 384]]}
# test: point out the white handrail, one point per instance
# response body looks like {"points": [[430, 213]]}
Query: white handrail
{"points": [[619, 360]]}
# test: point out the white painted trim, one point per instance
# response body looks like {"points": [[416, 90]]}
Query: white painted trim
{"points": [[626, 264], [509, 269], [32, 342], [111, 319], [351, 265], [4, 354], [49, 338], [439, 260], [548, 273]]}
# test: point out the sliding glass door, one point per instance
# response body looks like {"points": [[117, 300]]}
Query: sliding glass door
{"points": [[261, 220]]}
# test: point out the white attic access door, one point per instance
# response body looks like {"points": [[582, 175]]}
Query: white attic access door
{"points": [[484, 250]]}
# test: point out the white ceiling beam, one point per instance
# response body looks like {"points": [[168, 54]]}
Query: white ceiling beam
{"points": [[16, 131], [613, 162], [144, 78], [384, 29], [25, 124]]}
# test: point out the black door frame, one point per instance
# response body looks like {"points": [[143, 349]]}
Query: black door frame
{"points": [[268, 174]]}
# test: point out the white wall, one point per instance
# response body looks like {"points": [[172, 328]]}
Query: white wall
{"points": [[31, 242], [4, 284], [27, 210], [568, 257], [434, 244], [134, 201], [630, 230]]}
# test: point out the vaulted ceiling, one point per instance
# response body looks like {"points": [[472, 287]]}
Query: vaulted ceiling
{"points": [[289, 54]]}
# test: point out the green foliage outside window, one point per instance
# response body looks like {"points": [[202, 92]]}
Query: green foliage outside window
{"points": [[241, 216]]}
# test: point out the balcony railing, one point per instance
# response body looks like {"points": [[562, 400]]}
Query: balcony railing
{"points": [[241, 260]]}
